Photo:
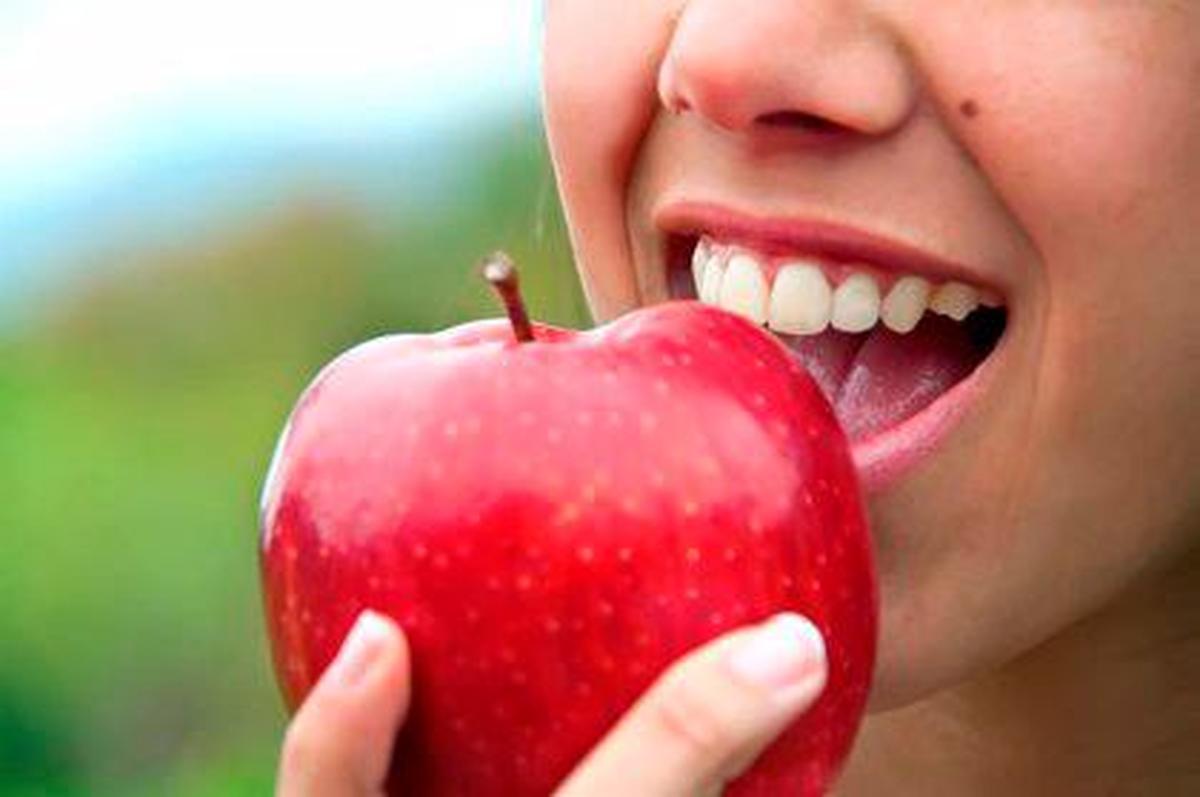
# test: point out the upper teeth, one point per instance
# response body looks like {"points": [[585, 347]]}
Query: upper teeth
{"points": [[802, 301]]}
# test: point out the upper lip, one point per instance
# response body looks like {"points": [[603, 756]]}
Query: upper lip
{"points": [[815, 237]]}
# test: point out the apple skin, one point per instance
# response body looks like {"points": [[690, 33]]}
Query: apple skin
{"points": [[555, 522]]}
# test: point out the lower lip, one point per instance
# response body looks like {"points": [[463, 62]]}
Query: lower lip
{"points": [[885, 458]]}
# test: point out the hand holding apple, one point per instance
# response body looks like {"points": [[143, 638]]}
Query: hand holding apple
{"points": [[553, 518]]}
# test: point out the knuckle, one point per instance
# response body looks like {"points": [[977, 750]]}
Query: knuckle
{"points": [[686, 715]]}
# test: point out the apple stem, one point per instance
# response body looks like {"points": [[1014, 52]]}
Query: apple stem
{"points": [[500, 271]]}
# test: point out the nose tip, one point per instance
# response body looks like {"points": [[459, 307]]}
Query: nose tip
{"points": [[812, 65]]}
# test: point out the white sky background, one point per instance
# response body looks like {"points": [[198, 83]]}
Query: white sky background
{"points": [[99, 96], [75, 74]]}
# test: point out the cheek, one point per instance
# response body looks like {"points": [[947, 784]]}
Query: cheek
{"points": [[600, 72], [1087, 120]]}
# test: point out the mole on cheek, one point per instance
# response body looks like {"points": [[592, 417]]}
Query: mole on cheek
{"points": [[969, 108]]}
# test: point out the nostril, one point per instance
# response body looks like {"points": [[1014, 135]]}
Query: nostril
{"points": [[799, 120]]}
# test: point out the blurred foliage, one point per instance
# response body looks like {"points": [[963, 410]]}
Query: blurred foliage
{"points": [[139, 412]]}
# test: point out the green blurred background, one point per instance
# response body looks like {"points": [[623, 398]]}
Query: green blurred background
{"points": [[177, 259]]}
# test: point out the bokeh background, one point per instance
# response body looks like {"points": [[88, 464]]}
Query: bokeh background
{"points": [[201, 202]]}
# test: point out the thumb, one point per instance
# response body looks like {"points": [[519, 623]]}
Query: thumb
{"points": [[340, 742]]}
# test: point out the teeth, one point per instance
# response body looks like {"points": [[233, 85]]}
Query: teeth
{"points": [[954, 299], [905, 304], [700, 258], [856, 304], [713, 273], [744, 289], [801, 300]]}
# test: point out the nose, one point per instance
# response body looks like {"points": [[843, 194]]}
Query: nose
{"points": [[815, 65]]}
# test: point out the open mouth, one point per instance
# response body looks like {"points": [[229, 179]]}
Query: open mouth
{"points": [[886, 346]]}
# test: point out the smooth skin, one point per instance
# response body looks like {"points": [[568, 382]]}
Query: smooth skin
{"points": [[1040, 571]]}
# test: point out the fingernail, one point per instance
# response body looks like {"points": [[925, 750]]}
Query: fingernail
{"points": [[362, 648], [785, 652]]}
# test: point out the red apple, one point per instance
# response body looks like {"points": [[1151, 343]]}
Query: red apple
{"points": [[555, 516]]}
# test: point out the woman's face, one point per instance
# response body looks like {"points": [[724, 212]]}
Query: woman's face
{"points": [[1043, 152]]}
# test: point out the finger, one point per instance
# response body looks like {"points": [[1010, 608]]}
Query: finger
{"points": [[340, 742], [710, 715]]}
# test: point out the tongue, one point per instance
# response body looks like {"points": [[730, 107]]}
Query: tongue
{"points": [[879, 379]]}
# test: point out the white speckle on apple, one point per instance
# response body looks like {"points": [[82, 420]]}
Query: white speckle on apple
{"points": [[450, 430], [716, 619], [567, 514], [473, 615], [440, 562], [524, 582], [586, 554], [519, 678], [493, 583], [685, 359], [419, 551], [606, 609], [755, 524], [692, 555], [507, 655], [373, 583], [661, 387], [610, 377], [629, 504], [760, 401], [649, 421], [642, 640], [584, 418], [526, 418], [554, 436], [760, 363], [731, 554], [692, 594], [589, 493], [552, 626], [625, 554], [690, 507]]}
